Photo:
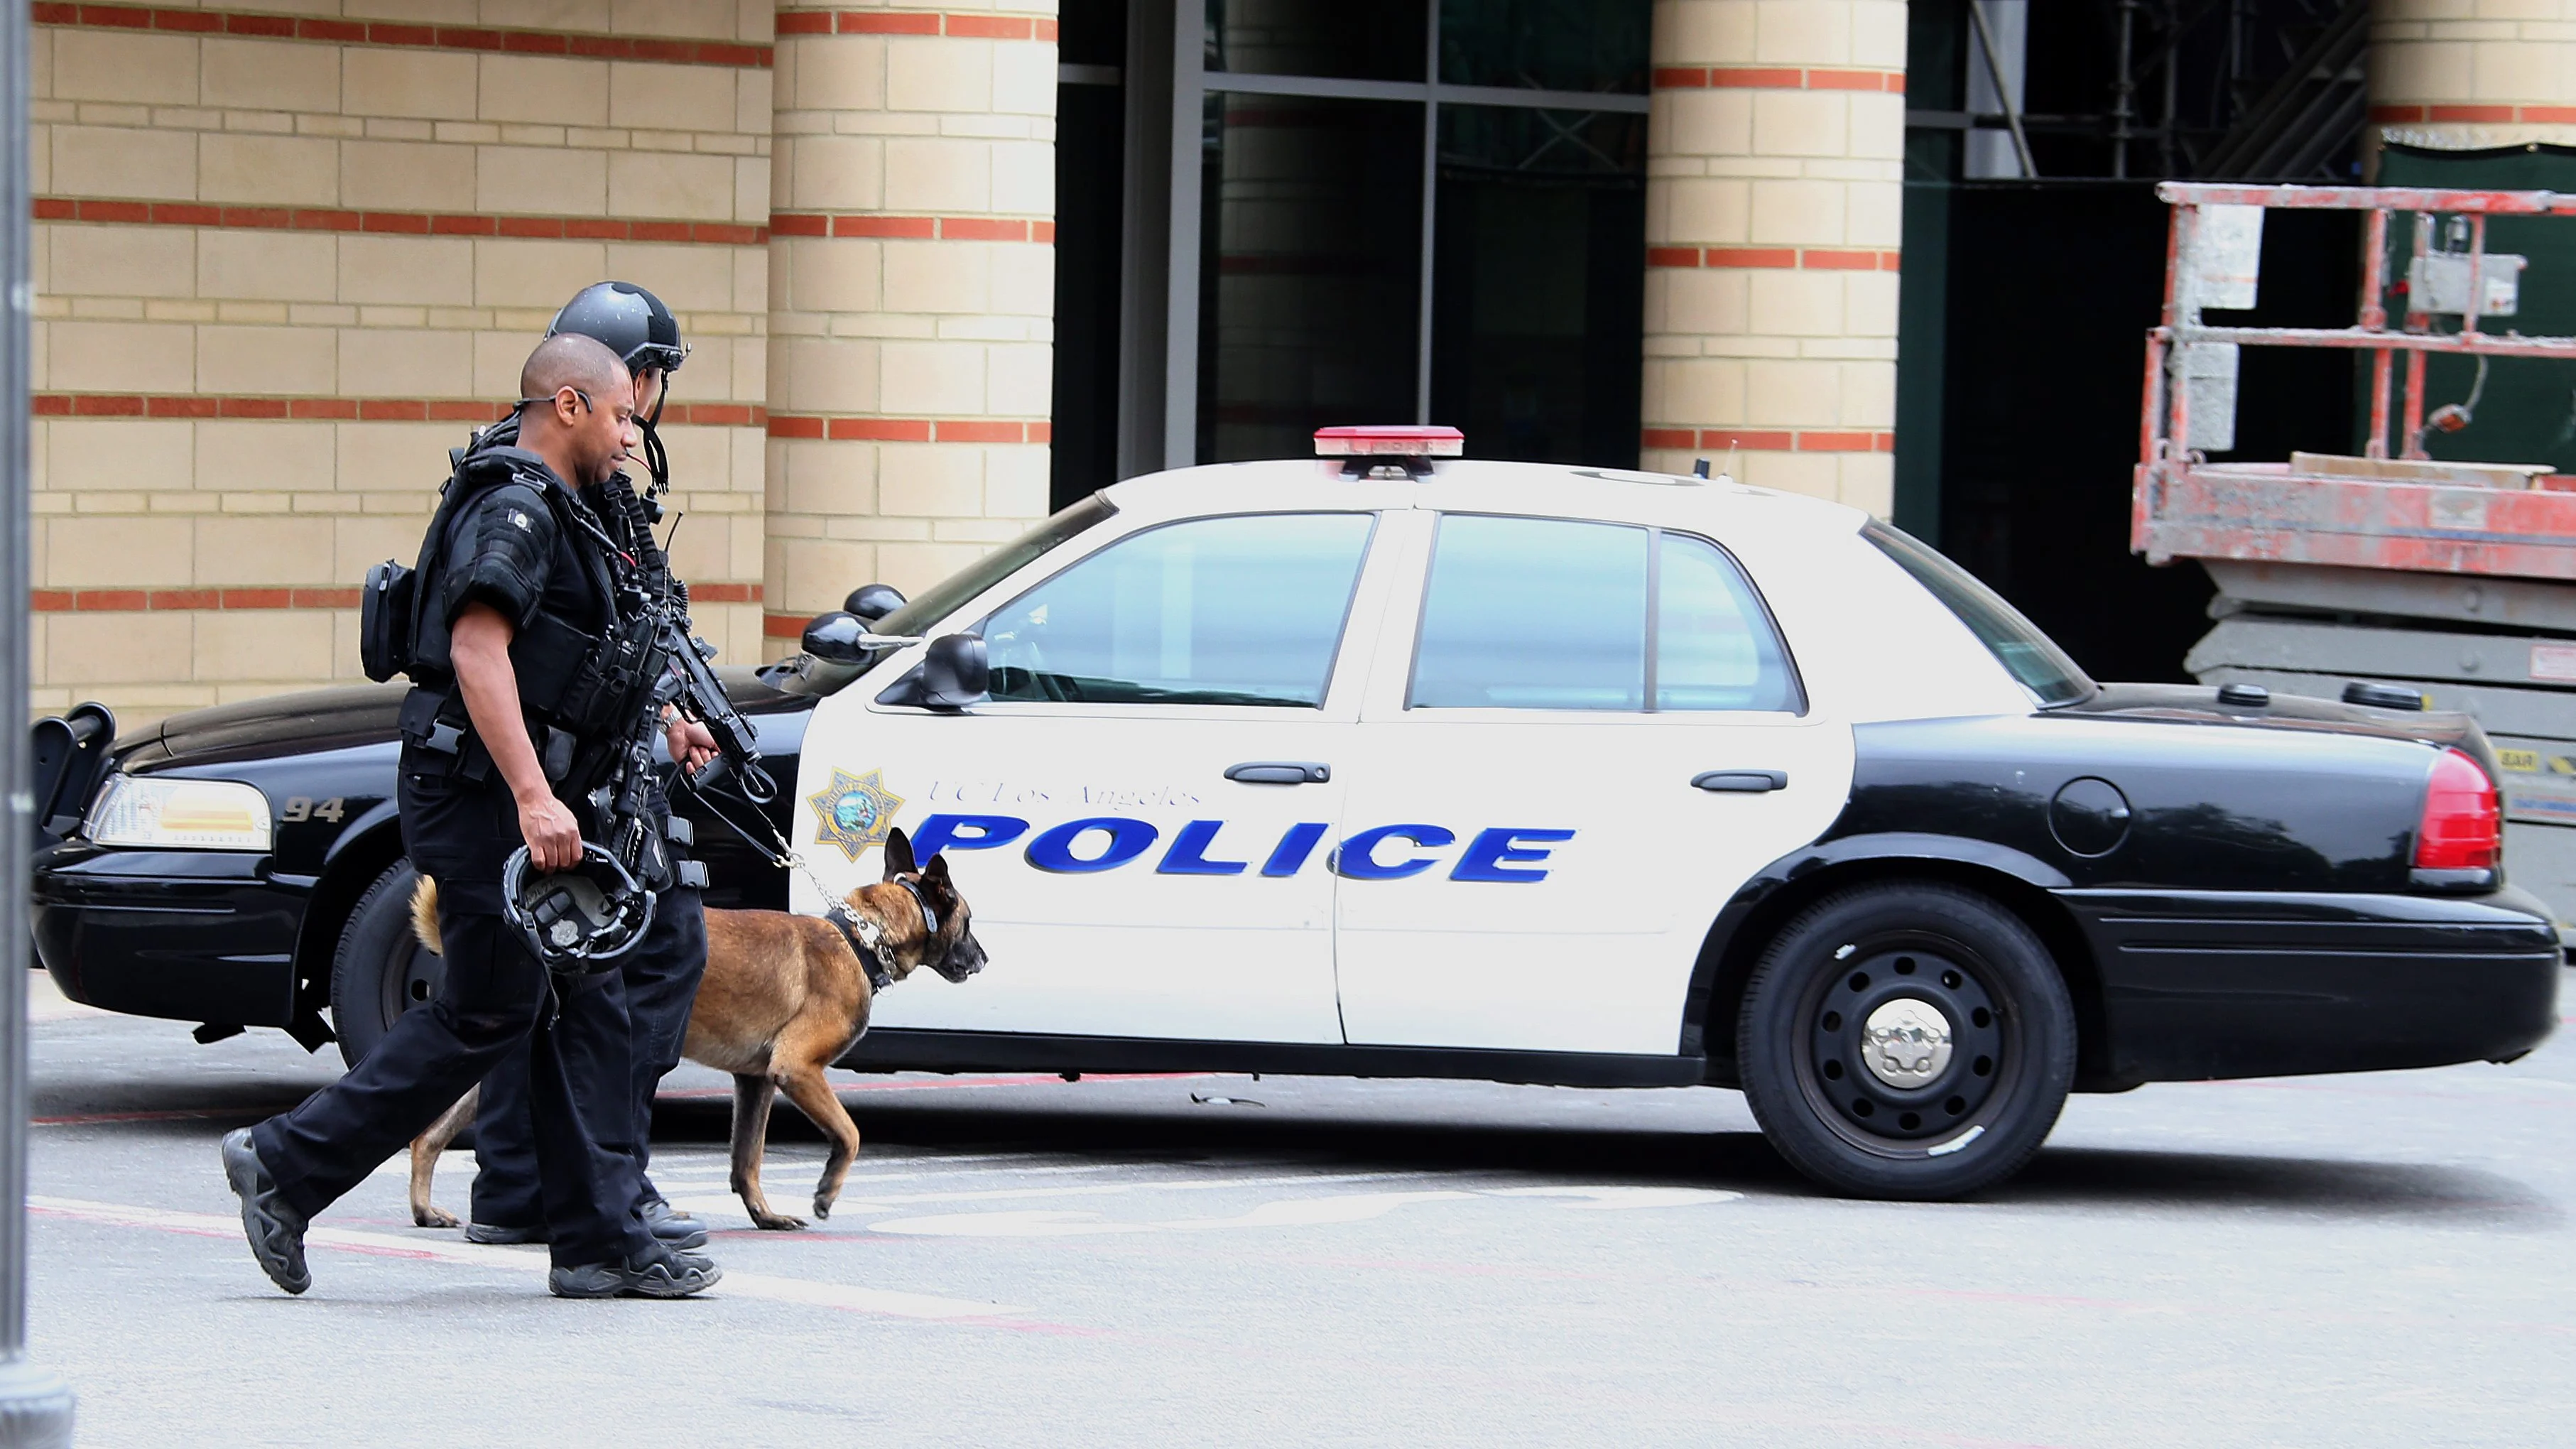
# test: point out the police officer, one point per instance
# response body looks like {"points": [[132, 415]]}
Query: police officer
{"points": [[516, 557], [661, 974]]}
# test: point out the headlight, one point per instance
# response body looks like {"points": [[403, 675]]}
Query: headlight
{"points": [[165, 814]]}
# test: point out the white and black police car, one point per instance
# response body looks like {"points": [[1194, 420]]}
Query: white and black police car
{"points": [[1392, 763]]}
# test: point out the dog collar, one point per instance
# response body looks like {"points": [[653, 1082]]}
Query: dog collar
{"points": [[929, 917], [868, 940]]}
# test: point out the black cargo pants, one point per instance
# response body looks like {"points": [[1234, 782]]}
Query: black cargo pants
{"points": [[495, 1001], [660, 982]]}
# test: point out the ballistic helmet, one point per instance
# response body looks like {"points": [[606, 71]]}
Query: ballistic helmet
{"points": [[633, 322], [580, 920]]}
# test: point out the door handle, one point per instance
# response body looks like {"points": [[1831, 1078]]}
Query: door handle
{"points": [[1741, 782], [1280, 772]]}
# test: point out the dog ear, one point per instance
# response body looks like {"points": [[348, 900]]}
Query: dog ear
{"points": [[936, 873], [898, 854]]}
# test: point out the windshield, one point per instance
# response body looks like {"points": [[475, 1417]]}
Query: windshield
{"points": [[952, 593], [2029, 655], [804, 674]]}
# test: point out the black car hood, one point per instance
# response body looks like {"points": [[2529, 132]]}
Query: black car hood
{"points": [[327, 719]]}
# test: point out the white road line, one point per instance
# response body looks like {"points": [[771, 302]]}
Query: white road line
{"points": [[843, 1296], [775, 1165], [876, 1201]]}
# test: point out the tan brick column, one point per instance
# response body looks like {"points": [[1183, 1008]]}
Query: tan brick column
{"points": [[285, 261], [1775, 155], [2460, 75], [911, 295]]}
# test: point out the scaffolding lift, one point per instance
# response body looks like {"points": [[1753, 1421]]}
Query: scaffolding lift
{"points": [[2387, 578]]}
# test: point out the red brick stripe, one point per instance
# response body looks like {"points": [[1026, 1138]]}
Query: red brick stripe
{"points": [[1770, 441], [908, 430], [435, 37], [129, 601], [914, 22], [2537, 115], [395, 223], [1789, 78], [121, 601], [918, 228], [1809, 259], [348, 409]]}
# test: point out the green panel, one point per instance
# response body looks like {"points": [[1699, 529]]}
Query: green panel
{"points": [[2527, 413]]}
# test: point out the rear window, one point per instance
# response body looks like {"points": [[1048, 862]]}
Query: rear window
{"points": [[2017, 644]]}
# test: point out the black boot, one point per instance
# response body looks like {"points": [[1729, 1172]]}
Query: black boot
{"points": [[275, 1230], [655, 1273], [676, 1229]]}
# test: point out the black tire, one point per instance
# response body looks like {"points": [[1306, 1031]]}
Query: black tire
{"points": [[1918, 1124], [379, 970]]}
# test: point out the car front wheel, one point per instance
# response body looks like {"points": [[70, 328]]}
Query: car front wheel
{"points": [[1906, 1040], [380, 970]]}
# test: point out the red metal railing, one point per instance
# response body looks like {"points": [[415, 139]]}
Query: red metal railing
{"points": [[2184, 506]]}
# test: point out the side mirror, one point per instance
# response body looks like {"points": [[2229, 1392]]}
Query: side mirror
{"points": [[871, 602], [952, 675], [835, 638]]}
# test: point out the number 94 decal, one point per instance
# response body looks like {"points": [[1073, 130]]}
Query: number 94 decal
{"points": [[305, 807]]}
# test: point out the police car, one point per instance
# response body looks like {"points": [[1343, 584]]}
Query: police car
{"points": [[1394, 763]]}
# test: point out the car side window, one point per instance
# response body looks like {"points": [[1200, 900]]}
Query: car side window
{"points": [[1535, 613], [1715, 647], [1242, 610]]}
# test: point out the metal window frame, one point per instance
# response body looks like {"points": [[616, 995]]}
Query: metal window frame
{"points": [[1175, 414]]}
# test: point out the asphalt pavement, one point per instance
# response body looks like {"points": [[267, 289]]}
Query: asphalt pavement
{"points": [[2381, 1259]]}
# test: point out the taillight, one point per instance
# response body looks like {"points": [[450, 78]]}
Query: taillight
{"points": [[2463, 829]]}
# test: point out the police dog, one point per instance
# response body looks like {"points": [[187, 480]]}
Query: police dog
{"points": [[784, 997]]}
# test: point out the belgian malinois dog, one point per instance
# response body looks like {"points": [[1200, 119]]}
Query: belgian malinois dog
{"points": [[784, 997]]}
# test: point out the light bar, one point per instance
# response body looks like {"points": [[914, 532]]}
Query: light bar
{"points": [[1390, 442]]}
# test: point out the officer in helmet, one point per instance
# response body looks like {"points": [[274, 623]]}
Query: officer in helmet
{"points": [[661, 975], [515, 606]]}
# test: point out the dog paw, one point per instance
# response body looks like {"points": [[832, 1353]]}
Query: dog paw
{"points": [[777, 1223], [822, 1207], [433, 1217]]}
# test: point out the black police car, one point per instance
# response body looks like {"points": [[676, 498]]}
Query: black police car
{"points": [[1290, 767], [242, 865]]}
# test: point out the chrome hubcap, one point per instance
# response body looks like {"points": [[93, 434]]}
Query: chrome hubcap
{"points": [[1906, 1043]]}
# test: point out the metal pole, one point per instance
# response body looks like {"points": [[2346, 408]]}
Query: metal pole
{"points": [[2172, 128], [2124, 90], [1430, 218], [2374, 318], [35, 1403], [2003, 93]]}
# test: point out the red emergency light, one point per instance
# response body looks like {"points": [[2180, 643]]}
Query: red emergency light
{"points": [[1390, 442]]}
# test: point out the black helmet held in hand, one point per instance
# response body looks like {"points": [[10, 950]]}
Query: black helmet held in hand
{"points": [[631, 321], [580, 920]]}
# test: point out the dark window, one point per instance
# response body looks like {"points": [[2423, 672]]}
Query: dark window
{"points": [[1533, 613], [1349, 39], [1246, 610], [1310, 271], [1539, 288], [2031, 656], [1558, 45]]}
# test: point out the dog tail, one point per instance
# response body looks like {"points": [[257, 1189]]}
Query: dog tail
{"points": [[424, 915]]}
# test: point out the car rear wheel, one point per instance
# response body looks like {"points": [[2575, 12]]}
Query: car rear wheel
{"points": [[380, 970], [1906, 1040]]}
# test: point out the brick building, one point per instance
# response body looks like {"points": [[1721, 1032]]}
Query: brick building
{"points": [[946, 263]]}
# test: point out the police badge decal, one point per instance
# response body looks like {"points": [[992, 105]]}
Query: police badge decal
{"points": [[854, 811]]}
